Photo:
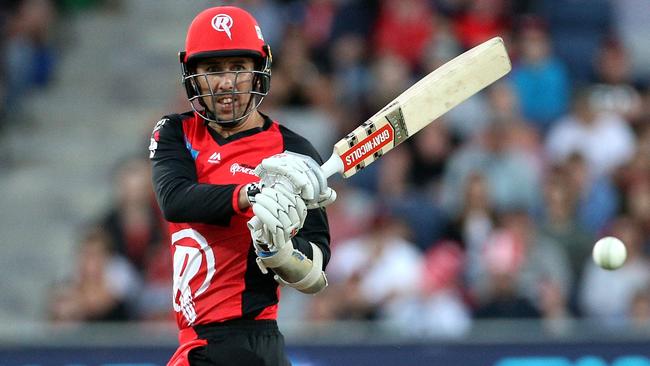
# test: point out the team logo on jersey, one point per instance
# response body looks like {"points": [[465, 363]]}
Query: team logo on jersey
{"points": [[194, 268], [236, 168], [215, 158], [222, 23], [155, 137]]}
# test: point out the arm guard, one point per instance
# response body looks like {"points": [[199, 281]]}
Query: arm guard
{"points": [[293, 268]]}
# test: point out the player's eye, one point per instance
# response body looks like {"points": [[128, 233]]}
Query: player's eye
{"points": [[238, 67]]}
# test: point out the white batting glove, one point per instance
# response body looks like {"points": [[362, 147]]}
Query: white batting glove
{"points": [[281, 214], [300, 173], [260, 236]]}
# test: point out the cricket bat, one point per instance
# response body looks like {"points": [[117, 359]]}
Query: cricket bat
{"points": [[418, 106]]}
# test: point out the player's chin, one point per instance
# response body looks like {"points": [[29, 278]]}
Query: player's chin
{"points": [[227, 114]]}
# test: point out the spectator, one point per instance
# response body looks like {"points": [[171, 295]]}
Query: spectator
{"points": [[597, 197], [295, 69], [102, 288], [638, 207], [631, 19], [639, 314], [29, 55], [559, 222], [503, 260], [520, 137], [405, 199], [317, 23], [373, 270], [638, 167], [437, 309], [271, 18], [529, 259], [512, 180], [615, 90], [134, 222], [604, 139], [483, 20], [474, 225], [349, 72], [577, 28], [430, 149], [348, 217], [355, 17], [390, 76], [540, 79], [404, 28]]}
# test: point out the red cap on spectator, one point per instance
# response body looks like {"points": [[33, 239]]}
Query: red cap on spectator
{"points": [[503, 254], [442, 265]]}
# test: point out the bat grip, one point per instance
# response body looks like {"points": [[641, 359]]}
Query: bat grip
{"points": [[333, 165]]}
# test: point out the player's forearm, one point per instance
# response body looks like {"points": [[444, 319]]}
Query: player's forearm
{"points": [[193, 202]]}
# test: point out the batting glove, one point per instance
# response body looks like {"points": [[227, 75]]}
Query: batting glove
{"points": [[281, 214], [299, 173]]}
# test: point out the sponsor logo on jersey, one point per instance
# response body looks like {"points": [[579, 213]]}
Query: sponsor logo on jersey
{"points": [[236, 168], [215, 158], [367, 147], [155, 137], [222, 23]]}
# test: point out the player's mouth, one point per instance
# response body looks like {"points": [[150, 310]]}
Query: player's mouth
{"points": [[226, 103]]}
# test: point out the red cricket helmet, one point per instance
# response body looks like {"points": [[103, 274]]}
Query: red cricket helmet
{"points": [[221, 32]]}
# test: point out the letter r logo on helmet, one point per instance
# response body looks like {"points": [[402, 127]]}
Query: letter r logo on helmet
{"points": [[222, 23], [236, 32]]}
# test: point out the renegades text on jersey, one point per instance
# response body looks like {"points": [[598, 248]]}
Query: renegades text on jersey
{"points": [[197, 176]]}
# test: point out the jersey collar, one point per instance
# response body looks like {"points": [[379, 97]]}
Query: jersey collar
{"points": [[239, 135]]}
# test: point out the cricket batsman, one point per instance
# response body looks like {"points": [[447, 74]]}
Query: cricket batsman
{"points": [[214, 168]]}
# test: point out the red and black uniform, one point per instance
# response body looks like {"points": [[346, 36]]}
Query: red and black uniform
{"points": [[197, 176]]}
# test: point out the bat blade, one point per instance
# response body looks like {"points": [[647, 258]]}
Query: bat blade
{"points": [[418, 106]]}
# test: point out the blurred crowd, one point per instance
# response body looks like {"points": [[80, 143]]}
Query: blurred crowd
{"points": [[489, 213], [28, 57]]}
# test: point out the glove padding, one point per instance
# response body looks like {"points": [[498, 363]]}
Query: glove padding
{"points": [[291, 267], [299, 172], [281, 213]]}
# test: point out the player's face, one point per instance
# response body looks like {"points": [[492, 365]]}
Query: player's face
{"points": [[226, 85]]}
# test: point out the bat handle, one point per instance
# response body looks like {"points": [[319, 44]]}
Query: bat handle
{"points": [[333, 165]]}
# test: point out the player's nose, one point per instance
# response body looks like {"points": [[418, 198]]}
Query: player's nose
{"points": [[226, 82]]}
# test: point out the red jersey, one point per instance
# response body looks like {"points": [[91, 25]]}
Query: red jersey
{"points": [[197, 176]]}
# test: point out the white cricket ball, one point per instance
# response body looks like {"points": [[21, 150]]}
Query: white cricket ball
{"points": [[609, 253]]}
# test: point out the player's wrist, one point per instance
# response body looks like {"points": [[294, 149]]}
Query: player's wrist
{"points": [[247, 194]]}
